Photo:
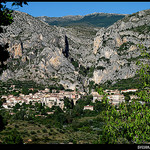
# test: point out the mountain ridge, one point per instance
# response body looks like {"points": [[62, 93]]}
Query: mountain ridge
{"points": [[88, 19], [74, 56], [85, 15]]}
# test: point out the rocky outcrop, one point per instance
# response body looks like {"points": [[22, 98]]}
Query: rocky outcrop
{"points": [[97, 43], [16, 49]]}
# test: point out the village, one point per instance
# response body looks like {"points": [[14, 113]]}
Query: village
{"points": [[56, 98], [42, 96]]}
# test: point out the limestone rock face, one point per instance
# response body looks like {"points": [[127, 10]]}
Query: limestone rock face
{"points": [[118, 40], [7, 74], [97, 43], [116, 45], [18, 50], [98, 75], [74, 56]]}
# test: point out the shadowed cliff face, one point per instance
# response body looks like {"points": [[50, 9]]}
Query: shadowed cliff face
{"points": [[74, 56], [66, 50]]}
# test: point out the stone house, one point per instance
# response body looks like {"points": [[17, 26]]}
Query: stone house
{"points": [[96, 96], [53, 100], [129, 90], [111, 92], [99, 98], [116, 99], [133, 97], [5, 105], [88, 107]]}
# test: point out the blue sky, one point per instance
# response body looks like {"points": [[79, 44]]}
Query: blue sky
{"points": [[58, 9]]}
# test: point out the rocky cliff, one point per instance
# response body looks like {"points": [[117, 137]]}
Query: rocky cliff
{"points": [[117, 45], [38, 52], [74, 56]]}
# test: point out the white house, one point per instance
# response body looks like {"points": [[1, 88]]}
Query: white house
{"points": [[5, 105], [88, 107], [129, 90], [116, 99]]}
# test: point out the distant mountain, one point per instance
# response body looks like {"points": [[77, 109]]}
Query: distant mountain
{"points": [[92, 20]]}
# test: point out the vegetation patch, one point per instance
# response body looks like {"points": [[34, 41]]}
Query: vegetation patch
{"points": [[124, 47], [144, 29]]}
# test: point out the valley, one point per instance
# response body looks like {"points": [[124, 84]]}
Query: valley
{"points": [[70, 80]]}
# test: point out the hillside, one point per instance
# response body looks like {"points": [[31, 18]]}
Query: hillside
{"points": [[90, 20], [74, 56]]}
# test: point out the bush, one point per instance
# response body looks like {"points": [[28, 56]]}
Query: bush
{"points": [[32, 132], [44, 130], [74, 63], [100, 68]]}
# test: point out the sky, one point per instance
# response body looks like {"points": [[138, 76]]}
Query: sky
{"points": [[59, 9]]}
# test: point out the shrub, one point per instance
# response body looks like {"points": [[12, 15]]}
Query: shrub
{"points": [[44, 130], [33, 132]]}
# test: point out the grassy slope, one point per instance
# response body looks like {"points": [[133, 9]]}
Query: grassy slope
{"points": [[41, 134]]}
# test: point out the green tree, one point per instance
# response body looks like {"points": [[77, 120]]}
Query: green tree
{"points": [[77, 110], [17, 106], [25, 91], [2, 124], [1, 103], [4, 55], [58, 116], [100, 91], [98, 106], [6, 14], [127, 98], [144, 73], [68, 103], [13, 138]]}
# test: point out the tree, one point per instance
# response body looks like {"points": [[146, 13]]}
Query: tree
{"points": [[68, 103], [127, 98], [17, 106], [98, 106], [77, 110], [5, 20], [6, 14], [2, 124], [4, 55], [100, 91], [58, 116], [144, 73], [25, 91], [13, 138], [1, 103]]}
